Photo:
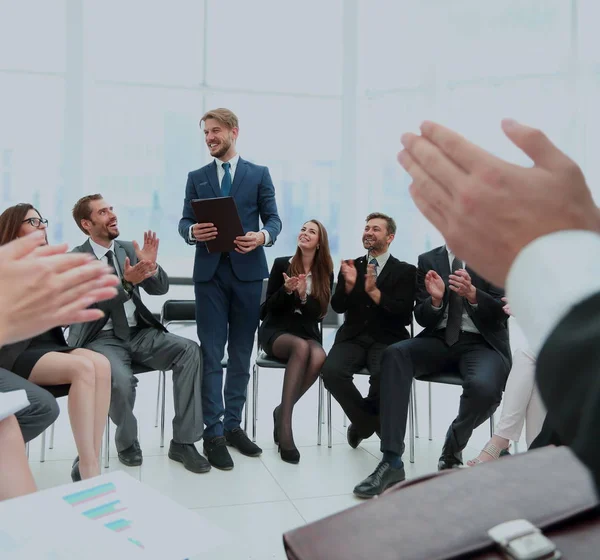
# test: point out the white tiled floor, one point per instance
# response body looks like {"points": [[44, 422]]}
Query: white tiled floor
{"points": [[261, 498]]}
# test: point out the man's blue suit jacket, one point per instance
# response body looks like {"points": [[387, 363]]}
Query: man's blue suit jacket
{"points": [[254, 195]]}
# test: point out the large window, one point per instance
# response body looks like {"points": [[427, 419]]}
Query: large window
{"points": [[106, 97]]}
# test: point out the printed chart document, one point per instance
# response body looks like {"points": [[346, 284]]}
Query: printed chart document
{"points": [[12, 402], [109, 516], [223, 213]]}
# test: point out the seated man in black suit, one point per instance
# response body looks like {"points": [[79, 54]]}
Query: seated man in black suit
{"points": [[465, 330], [376, 293]]}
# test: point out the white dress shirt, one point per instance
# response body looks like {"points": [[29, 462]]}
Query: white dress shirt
{"points": [[129, 306], [467, 324], [220, 174], [381, 261], [549, 277]]}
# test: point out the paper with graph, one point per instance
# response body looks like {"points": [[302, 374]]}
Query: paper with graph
{"points": [[111, 516]]}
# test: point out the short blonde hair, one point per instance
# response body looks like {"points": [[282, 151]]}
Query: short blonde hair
{"points": [[224, 116]]}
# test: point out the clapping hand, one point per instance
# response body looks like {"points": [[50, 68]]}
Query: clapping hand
{"points": [[348, 271], [435, 287], [370, 278], [149, 252], [506, 308], [290, 284]]}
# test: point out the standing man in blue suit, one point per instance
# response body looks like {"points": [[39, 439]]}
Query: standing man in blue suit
{"points": [[228, 285]]}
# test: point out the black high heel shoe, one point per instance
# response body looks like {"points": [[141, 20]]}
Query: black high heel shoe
{"points": [[75, 474], [275, 431], [289, 455]]}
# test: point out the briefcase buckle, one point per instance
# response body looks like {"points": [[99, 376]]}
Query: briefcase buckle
{"points": [[521, 540]]}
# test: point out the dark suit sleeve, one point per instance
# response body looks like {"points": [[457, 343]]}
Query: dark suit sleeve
{"points": [[399, 299], [267, 206], [188, 218], [568, 377], [425, 314], [340, 301], [156, 285], [277, 301], [490, 305]]}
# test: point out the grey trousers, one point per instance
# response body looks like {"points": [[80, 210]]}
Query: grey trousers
{"points": [[42, 410], [158, 350]]}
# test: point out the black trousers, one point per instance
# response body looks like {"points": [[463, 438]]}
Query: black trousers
{"points": [[484, 374], [343, 361]]}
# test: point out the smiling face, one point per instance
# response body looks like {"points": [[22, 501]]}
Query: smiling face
{"points": [[102, 225], [308, 238], [376, 238], [220, 139], [33, 222]]}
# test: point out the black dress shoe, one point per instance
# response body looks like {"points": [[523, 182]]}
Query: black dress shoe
{"points": [[187, 454], [381, 479], [447, 462], [217, 453], [289, 455], [132, 456], [237, 438], [75, 474], [352, 436]]}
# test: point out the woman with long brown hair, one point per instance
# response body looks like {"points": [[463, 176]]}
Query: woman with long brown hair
{"points": [[298, 295], [47, 360]]}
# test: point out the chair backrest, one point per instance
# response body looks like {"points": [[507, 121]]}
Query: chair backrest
{"points": [[180, 310]]}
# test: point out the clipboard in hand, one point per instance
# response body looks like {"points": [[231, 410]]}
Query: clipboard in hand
{"points": [[223, 213]]}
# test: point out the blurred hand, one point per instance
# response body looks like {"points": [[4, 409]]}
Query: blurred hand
{"points": [[506, 308], [487, 209], [301, 286], [435, 287], [204, 232], [348, 271], [290, 284], [249, 242], [461, 284], [370, 278], [44, 287], [149, 252], [140, 272]]}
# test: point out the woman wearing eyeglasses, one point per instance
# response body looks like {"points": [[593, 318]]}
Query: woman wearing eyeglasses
{"points": [[48, 360]]}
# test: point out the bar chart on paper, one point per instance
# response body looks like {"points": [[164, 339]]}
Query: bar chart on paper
{"points": [[106, 508], [111, 516]]}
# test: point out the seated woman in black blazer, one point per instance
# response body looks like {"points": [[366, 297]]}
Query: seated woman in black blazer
{"points": [[47, 360], [298, 295]]}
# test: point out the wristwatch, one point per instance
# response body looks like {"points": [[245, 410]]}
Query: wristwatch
{"points": [[127, 286]]}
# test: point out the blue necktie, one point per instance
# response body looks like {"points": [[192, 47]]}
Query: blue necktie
{"points": [[374, 262], [226, 182]]}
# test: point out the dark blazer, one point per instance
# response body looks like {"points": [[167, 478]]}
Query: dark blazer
{"points": [[278, 311], [568, 378], [82, 333], [254, 195], [385, 322], [488, 317], [10, 352]]}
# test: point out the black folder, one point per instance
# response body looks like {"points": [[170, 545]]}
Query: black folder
{"points": [[223, 213]]}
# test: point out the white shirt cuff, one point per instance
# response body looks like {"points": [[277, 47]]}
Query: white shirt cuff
{"points": [[267, 237], [549, 277]]}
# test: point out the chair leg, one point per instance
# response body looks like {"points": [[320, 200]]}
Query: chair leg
{"points": [[246, 415], [106, 442], [162, 408], [320, 412], [43, 454], [329, 426], [411, 428], [414, 396], [430, 418], [51, 445], [345, 422], [157, 400], [492, 424], [254, 399], [27, 450]]}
